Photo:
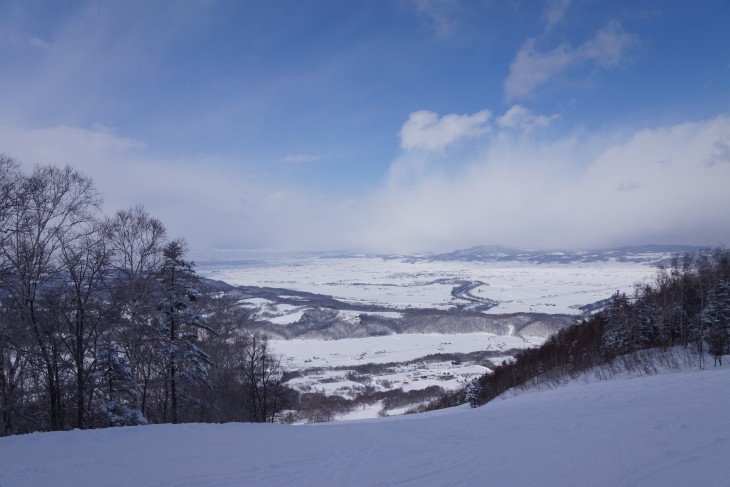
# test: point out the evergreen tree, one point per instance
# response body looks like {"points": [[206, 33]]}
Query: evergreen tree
{"points": [[118, 388], [186, 364], [715, 319], [617, 338], [473, 393], [647, 323]]}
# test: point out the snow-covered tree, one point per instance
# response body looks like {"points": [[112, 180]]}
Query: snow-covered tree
{"points": [[647, 323], [617, 338], [715, 319], [185, 362], [473, 393], [118, 388]]}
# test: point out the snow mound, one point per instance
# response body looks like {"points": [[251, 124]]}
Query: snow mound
{"points": [[662, 430]]}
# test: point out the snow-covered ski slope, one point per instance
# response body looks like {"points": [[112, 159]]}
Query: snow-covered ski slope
{"points": [[663, 430]]}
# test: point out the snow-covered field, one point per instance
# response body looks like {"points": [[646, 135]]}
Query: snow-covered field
{"points": [[665, 430], [391, 348], [402, 285], [314, 354], [399, 283]]}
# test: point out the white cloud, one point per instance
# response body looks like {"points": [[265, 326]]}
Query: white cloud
{"points": [[38, 43], [32, 42], [532, 68], [425, 130], [522, 118], [64, 144], [720, 153], [593, 190], [438, 14], [555, 11], [202, 198], [586, 190], [627, 186], [301, 158], [608, 47]]}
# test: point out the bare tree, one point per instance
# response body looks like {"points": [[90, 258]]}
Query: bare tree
{"points": [[262, 379], [51, 205], [135, 241], [86, 262], [11, 356], [9, 182]]}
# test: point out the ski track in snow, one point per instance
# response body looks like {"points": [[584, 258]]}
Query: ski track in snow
{"points": [[664, 430]]}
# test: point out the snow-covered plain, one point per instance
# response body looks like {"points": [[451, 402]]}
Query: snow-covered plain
{"points": [[663, 430], [403, 283], [303, 355], [399, 286], [391, 348]]}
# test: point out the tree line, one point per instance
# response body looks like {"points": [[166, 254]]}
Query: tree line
{"points": [[686, 306], [103, 322]]}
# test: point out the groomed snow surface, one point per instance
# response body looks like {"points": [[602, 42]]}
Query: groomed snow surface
{"points": [[662, 430]]}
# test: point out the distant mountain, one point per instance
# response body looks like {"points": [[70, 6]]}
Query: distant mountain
{"points": [[648, 254]]}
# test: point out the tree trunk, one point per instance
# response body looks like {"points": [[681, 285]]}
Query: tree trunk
{"points": [[80, 378], [173, 385], [53, 390]]}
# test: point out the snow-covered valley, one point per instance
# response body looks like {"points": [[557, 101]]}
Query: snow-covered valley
{"points": [[506, 286], [352, 366], [662, 430], [426, 321]]}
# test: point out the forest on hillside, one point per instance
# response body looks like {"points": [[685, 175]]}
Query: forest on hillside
{"points": [[103, 321], [687, 307]]}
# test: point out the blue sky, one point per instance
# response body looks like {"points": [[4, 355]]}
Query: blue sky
{"points": [[404, 125]]}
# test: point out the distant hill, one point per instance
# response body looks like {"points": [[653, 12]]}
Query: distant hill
{"points": [[645, 254]]}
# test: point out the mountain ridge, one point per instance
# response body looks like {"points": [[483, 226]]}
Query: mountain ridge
{"points": [[653, 254]]}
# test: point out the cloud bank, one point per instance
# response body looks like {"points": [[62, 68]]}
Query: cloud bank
{"points": [[514, 186], [582, 190]]}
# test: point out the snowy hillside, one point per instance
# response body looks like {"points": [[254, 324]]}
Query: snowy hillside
{"points": [[665, 430]]}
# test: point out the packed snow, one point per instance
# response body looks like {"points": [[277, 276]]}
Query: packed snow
{"points": [[662, 430]]}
